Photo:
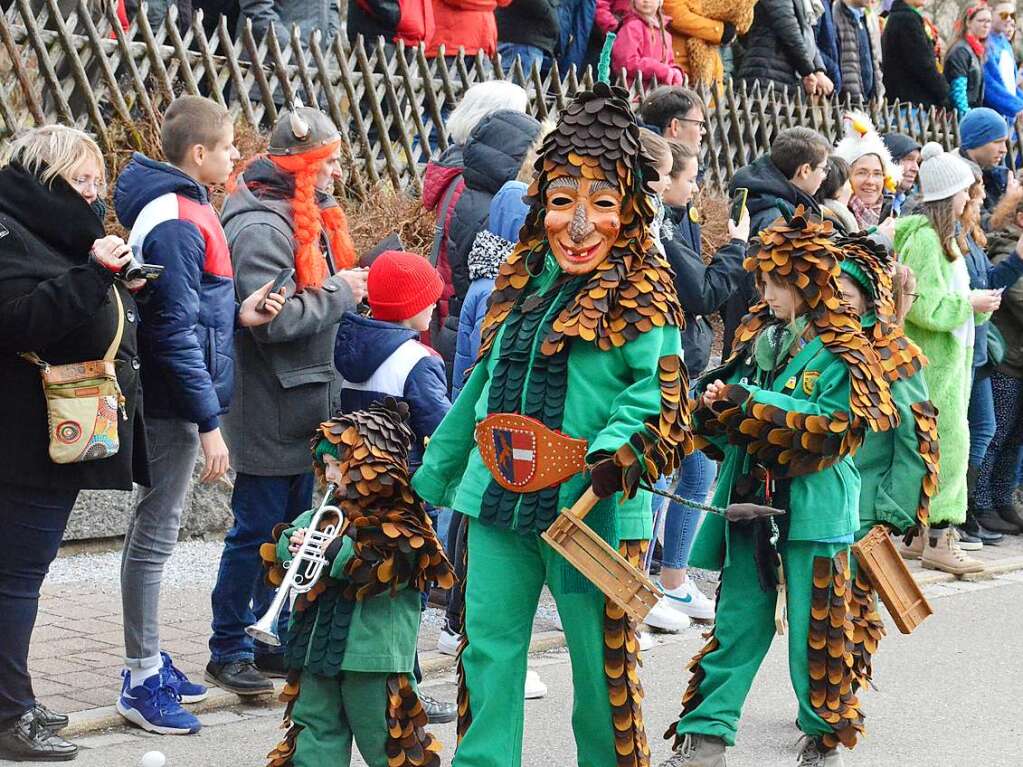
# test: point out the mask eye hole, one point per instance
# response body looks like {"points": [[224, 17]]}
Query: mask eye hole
{"points": [[559, 200], [605, 203]]}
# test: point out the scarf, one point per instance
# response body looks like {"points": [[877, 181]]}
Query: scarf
{"points": [[976, 45], [866, 215]]}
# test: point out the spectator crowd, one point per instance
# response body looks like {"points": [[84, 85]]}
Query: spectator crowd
{"points": [[262, 320]]}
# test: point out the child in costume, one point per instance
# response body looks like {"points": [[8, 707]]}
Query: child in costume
{"points": [[941, 322], [899, 467], [580, 355], [352, 639], [787, 411]]}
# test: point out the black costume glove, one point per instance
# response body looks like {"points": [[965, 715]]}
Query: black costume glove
{"points": [[728, 34], [606, 478], [331, 552]]}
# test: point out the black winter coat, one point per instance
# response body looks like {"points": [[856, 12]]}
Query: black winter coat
{"points": [[781, 45], [702, 288], [56, 302], [530, 22], [493, 155], [907, 60], [961, 61], [770, 195]]}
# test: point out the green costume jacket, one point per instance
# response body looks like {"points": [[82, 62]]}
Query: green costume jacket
{"points": [[941, 324], [335, 634], [891, 468], [823, 505], [607, 397]]}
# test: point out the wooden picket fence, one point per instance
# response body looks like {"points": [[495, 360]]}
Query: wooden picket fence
{"points": [[82, 69]]}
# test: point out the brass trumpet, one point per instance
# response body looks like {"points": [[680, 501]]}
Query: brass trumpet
{"points": [[304, 570]]}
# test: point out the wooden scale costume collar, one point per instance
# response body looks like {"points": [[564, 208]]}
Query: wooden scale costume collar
{"points": [[630, 292], [801, 252]]}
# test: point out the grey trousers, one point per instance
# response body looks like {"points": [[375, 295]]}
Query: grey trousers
{"points": [[152, 533]]}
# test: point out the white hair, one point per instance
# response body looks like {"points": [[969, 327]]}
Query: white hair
{"points": [[479, 101]]}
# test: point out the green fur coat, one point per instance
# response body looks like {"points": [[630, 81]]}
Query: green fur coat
{"points": [[941, 323]]}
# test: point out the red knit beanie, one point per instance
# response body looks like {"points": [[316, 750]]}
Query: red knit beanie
{"points": [[400, 285]]}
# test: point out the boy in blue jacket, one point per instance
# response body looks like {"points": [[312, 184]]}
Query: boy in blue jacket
{"points": [[186, 362]]}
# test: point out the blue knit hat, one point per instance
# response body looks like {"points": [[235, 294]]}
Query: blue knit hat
{"points": [[982, 126]]}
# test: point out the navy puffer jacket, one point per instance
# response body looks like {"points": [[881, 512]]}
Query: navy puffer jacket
{"points": [[188, 314], [493, 155]]}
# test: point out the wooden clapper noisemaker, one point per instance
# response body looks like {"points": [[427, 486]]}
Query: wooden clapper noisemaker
{"points": [[524, 456], [892, 580]]}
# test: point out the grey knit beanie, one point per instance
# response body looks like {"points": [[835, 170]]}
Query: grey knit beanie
{"points": [[942, 175]]}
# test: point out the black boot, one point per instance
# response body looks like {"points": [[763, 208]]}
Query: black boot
{"points": [[977, 529], [1011, 514], [27, 740], [240, 677], [989, 520]]}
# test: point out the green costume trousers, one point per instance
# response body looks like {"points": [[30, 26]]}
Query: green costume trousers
{"points": [[745, 628], [506, 573], [333, 711]]}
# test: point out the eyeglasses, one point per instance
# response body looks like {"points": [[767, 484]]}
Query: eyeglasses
{"points": [[701, 123], [824, 168], [1006, 15], [83, 184]]}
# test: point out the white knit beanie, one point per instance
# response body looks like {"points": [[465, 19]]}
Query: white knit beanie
{"points": [[942, 175]]}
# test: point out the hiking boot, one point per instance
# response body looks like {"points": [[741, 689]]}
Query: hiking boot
{"points": [[994, 523], [27, 740], [1011, 514], [240, 677], [915, 550], [814, 754], [943, 553], [697, 751]]}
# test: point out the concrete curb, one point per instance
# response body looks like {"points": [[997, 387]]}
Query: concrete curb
{"points": [[433, 662]]}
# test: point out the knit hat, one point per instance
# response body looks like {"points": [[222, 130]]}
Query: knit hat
{"points": [[851, 268], [400, 285], [899, 144], [982, 126], [942, 174], [862, 139]]}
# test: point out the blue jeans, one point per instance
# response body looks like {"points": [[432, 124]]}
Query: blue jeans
{"points": [[526, 53], [696, 475], [34, 522], [241, 594], [981, 417]]}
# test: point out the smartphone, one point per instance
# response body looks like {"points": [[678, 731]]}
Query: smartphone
{"points": [[134, 271], [886, 207], [738, 204], [282, 277]]}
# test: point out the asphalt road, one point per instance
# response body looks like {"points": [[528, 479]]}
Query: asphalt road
{"points": [[949, 695]]}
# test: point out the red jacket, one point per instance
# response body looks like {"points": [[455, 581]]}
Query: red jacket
{"points": [[645, 51], [610, 13], [467, 24]]}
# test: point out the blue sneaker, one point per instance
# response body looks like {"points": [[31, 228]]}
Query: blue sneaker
{"points": [[156, 707], [189, 691]]}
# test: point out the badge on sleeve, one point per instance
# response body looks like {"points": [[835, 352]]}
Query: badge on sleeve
{"points": [[809, 380]]}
